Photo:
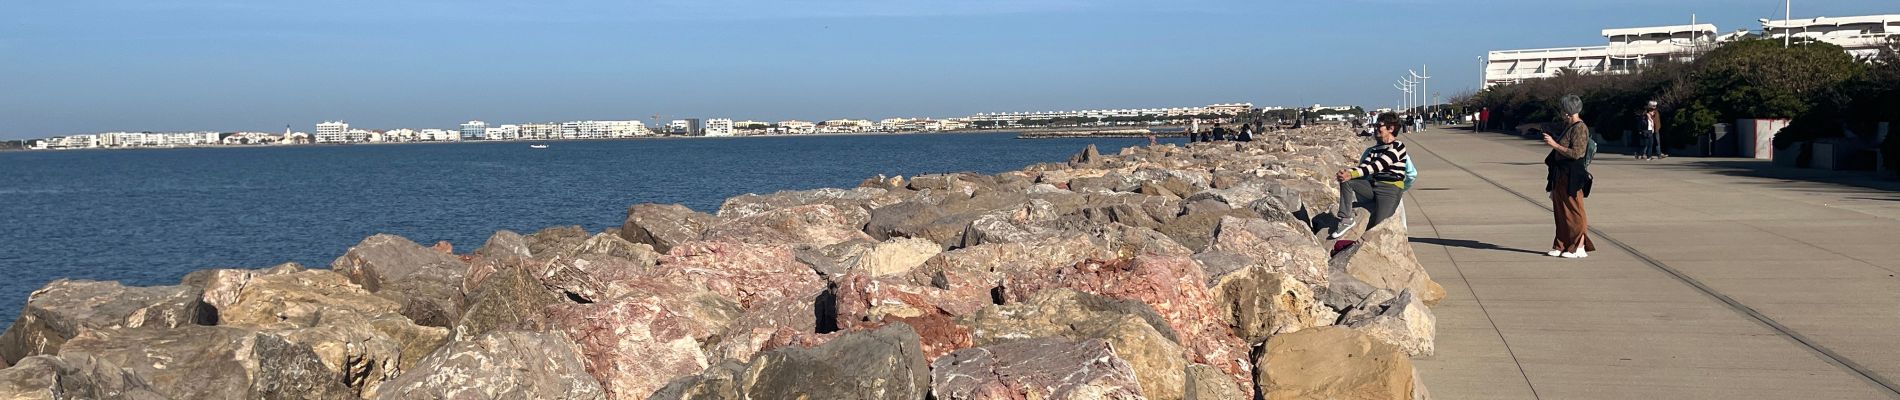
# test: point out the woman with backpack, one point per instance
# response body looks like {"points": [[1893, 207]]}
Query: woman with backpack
{"points": [[1569, 181]]}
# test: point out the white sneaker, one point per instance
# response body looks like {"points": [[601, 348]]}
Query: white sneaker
{"points": [[1578, 254], [1555, 253], [1341, 228]]}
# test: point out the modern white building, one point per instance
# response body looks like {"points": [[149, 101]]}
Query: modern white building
{"points": [[1627, 49], [538, 131], [332, 132], [846, 126], [502, 132], [472, 130], [796, 127], [1862, 36], [689, 127], [719, 127]]}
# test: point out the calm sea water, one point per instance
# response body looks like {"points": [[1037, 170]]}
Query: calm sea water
{"points": [[147, 217]]}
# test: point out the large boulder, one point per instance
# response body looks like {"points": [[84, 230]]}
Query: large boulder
{"points": [[975, 272], [1196, 226], [855, 204], [744, 272], [555, 240], [53, 377], [221, 286], [814, 224], [1041, 368], [881, 364], [1205, 382], [213, 362], [66, 308], [501, 365], [1404, 322], [1173, 285], [427, 283], [893, 257], [612, 245], [503, 245], [1383, 258], [357, 335], [1335, 362], [1262, 303], [1282, 246], [634, 345], [511, 296], [1132, 329], [664, 225]]}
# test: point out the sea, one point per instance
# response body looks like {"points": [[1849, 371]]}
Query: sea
{"points": [[146, 217]]}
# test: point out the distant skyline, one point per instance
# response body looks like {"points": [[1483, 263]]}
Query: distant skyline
{"points": [[69, 67]]}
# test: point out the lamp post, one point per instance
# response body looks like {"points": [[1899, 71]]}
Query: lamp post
{"points": [[1424, 87]]}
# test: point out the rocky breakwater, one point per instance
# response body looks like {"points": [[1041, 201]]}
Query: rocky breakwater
{"points": [[1162, 272]]}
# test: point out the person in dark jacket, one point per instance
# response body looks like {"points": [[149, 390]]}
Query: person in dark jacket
{"points": [[1246, 133], [1379, 178], [1569, 182]]}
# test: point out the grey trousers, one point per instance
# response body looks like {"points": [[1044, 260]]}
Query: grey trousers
{"points": [[1384, 198]]}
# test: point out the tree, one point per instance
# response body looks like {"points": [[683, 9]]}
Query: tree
{"points": [[1761, 79]]}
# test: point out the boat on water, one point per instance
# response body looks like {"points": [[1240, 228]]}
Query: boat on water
{"points": [[537, 146]]}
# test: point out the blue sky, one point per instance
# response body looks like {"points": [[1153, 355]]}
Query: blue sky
{"points": [[76, 66]]}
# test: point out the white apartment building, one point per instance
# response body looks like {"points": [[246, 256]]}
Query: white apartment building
{"points": [[543, 131], [332, 132], [439, 135], [73, 142], [846, 126], [472, 130], [1627, 49], [1862, 36], [502, 132], [892, 124], [797, 127], [1230, 108], [719, 127]]}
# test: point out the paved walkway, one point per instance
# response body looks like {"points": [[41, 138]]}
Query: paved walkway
{"points": [[1709, 282]]}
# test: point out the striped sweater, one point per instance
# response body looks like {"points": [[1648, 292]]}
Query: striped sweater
{"points": [[1389, 157]]}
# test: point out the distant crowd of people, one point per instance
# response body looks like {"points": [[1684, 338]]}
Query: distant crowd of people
{"points": [[1221, 133]]}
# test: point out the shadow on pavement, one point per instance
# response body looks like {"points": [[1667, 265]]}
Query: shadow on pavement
{"points": [[1470, 244]]}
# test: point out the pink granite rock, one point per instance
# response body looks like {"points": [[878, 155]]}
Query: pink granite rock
{"points": [[1042, 368]]}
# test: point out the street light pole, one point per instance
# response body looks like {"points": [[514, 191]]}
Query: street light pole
{"points": [[1787, 22]]}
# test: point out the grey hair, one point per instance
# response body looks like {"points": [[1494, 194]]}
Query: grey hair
{"points": [[1570, 105]]}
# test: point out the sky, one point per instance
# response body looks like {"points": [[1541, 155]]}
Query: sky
{"points": [[82, 66]]}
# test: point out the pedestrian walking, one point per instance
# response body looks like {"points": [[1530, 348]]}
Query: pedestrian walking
{"points": [[1484, 118], [1568, 181], [1382, 176]]}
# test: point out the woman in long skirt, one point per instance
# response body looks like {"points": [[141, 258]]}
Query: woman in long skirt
{"points": [[1569, 182]]}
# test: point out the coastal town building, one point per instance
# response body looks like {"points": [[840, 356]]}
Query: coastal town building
{"points": [[796, 127], [688, 127], [1630, 49], [332, 132], [846, 126], [502, 132], [1862, 36], [719, 127], [1627, 49], [473, 130], [1007, 119]]}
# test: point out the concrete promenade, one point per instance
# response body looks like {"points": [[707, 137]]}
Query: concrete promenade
{"points": [[1709, 282]]}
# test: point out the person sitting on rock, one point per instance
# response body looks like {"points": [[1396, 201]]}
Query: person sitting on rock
{"points": [[1380, 178], [1219, 134]]}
